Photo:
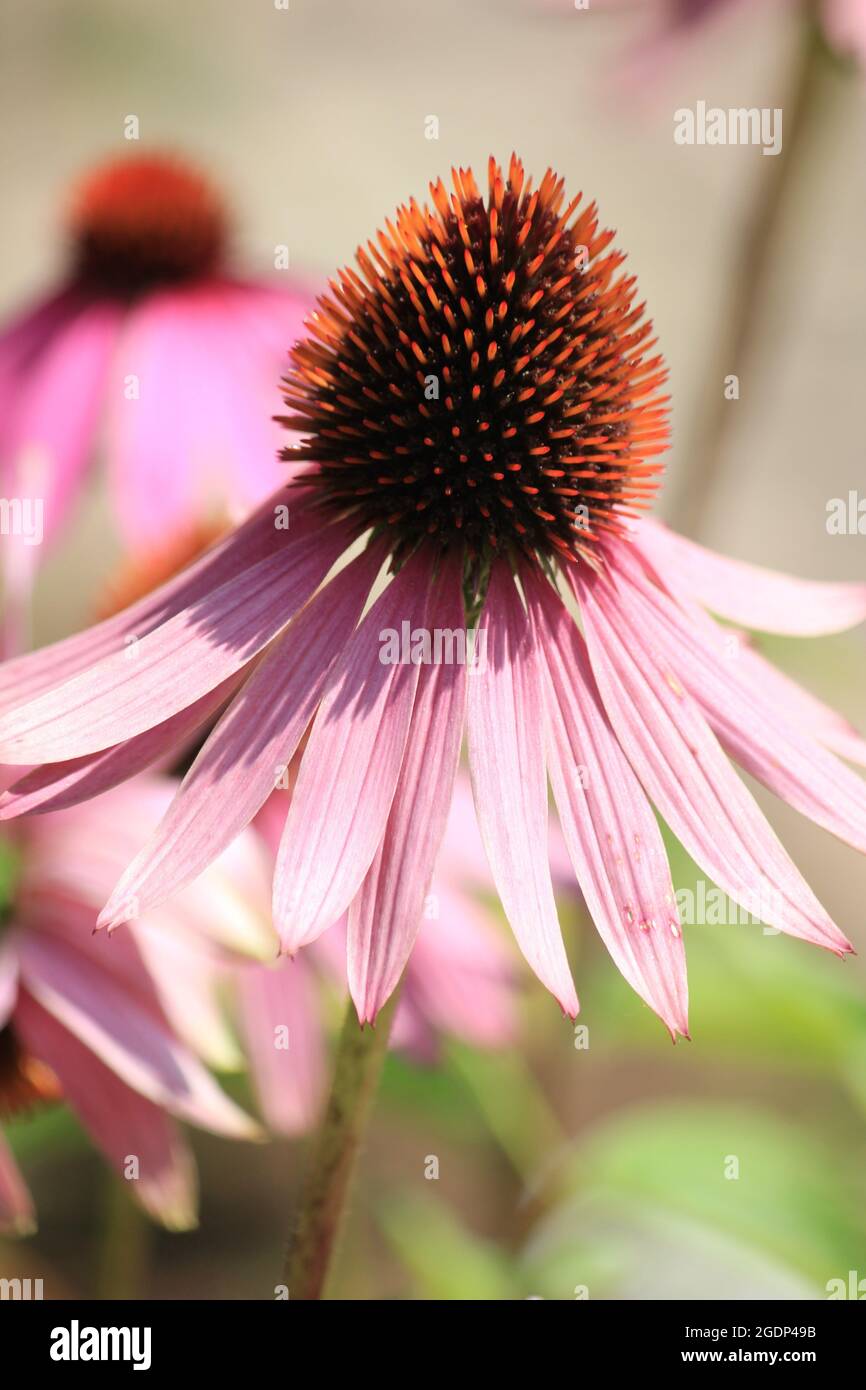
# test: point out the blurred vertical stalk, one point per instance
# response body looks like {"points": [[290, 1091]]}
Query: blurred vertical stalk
{"points": [[357, 1070], [749, 280], [124, 1253]]}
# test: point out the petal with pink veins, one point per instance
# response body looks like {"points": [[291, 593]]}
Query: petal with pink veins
{"points": [[122, 1123], [239, 765], [385, 915], [611, 832], [173, 666], [506, 760], [130, 1040], [349, 771], [685, 773], [253, 541], [58, 786], [751, 727], [748, 594]]}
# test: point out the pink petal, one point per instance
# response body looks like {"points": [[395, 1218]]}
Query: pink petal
{"points": [[752, 728], [122, 1123], [686, 774], [255, 540], [17, 1216], [239, 765], [748, 594], [281, 1023], [248, 331], [57, 414], [159, 470], [173, 666], [57, 786], [187, 982], [800, 706], [349, 770], [385, 915], [506, 760], [112, 1026], [461, 977], [609, 827]]}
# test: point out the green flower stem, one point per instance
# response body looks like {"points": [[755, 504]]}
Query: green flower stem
{"points": [[127, 1235], [358, 1067]]}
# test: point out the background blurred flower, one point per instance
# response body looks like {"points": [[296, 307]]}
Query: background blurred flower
{"points": [[152, 351], [674, 22], [117, 1027]]}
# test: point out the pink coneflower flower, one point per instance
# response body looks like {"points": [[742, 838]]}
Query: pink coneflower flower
{"points": [[460, 980], [153, 350], [479, 400], [116, 1027]]}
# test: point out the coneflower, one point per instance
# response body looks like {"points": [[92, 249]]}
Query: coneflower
{"points": [[118, 1030], [151, 349], [480, 402]]}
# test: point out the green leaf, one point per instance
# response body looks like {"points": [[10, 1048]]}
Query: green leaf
{"points": [[721, 1189]]}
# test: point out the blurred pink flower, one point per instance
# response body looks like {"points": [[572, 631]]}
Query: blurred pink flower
{"points": [[151, 351], [674, 22], [526, 471], [460, 980], [117, 1026]]}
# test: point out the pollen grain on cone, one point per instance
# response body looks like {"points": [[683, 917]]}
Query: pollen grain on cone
{"points": [[483, 378]]}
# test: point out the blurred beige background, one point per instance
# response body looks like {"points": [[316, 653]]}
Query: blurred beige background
{"points": [[314, 120]]}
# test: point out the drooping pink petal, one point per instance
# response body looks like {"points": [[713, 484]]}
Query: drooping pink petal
{"points": [[53, 365], [17, 1215], [25, 337], [462, 975], [135, 1135], [57, 786], [152, 427], [133, 1043], [246, 333], [280, 1017], [800, 706], [385, 915], [752, 728], [826, 724], [686, 774], [240, 764], [187, 980], [253, 541], [58, 410], [506, 759], [612, 836], [350, 767], [73, 856], [747, 594], [174, 665]]}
